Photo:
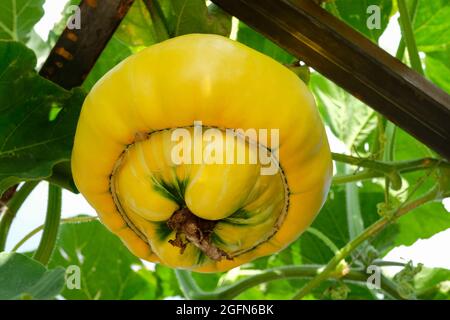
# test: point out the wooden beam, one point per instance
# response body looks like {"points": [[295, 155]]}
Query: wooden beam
{"points": [[353, 62], [77, 50]]}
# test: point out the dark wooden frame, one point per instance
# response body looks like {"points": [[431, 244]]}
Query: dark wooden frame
{"points": [[353, 62], [307, 31], [77, 50]]}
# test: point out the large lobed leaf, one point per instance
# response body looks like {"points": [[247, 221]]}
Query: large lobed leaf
{"points": [[438, 68], [108, 269], [433, 284], [38, 119], [356, 14], [431, 25], [332, 222], [137, 28], [422, 223], [17, 18], [194, 16], [350, 119], [23, 278], [105, 264], [427, 220], [255, 40], [431, 32]]}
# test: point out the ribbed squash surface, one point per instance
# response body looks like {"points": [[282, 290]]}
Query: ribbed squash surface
{"points": [[123, 163]]}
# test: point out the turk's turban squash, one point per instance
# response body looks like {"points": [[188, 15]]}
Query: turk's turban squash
{"points": [[202, 215]]}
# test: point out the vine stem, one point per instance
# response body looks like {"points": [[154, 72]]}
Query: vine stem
{"points": [[390, 129], [41, 227], [12, 208], [191, 290], [408, 35], [389, 166], [402, 46], [51, 226], [388, 155], [358, 176], [376, 168], [372, 230], [327, 241], [385, 263], [159, 22]]}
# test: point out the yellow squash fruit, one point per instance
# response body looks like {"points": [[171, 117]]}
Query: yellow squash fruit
{"points": [[200, 213]]}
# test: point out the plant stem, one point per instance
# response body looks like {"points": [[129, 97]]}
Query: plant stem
{"points": [[12, 208], [388, 155], [377, 147], [285, 272], [362, 162], [408, 35], [327, 241], [158, 20], [384, 263], [402, 46], [353, 209], [359, 176], [41, 227], [366, 234], [354, 219], [51, 227], [191, 290], [382, 168]]}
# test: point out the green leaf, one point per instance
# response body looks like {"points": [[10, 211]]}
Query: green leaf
{"points": [[167, 283], [407, 147], [115, 52], [207, 281], [371, 195], [40, 47], [359, 292], [354, 218], [438, 68], [147, 292], [433, 284], [422, 223], [349, 119], [417, 183], [18, 17], [432, 24], [432, 37], [136, 28], [280, 289], [276, 290], [255, 40], [429, 219], [332, 222], [355, 14], [24, 278], [105, 263], [219, 20], [31, 141], [194, 16]]}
